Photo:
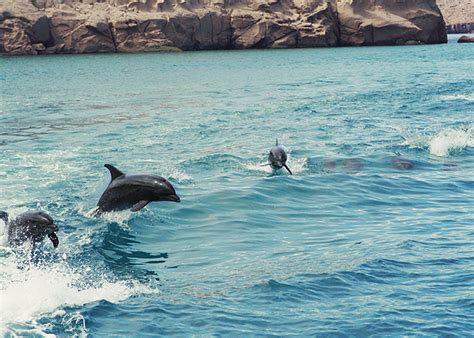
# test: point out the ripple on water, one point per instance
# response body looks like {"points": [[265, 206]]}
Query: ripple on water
{"points": [[356, 242]]}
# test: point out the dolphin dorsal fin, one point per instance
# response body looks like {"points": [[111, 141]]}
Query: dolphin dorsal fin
{"points": [[114, 172], [4, 216], [276, 142]]}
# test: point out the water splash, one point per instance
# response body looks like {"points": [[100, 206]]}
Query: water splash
{"points": [[169, 170], [457, 97], [28, 292], [297, 165], [443, 142], [451, 140], [121, 217]]}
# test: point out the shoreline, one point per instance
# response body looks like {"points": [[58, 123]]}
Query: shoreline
{"points": [[78, 28], [450, 35]]}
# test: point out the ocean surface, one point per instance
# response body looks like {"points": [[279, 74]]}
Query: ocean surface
{"points": [[372, 235]]}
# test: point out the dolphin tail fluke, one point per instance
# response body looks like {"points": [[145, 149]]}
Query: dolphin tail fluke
{"points": [[286, 167], [114, 172], [4, 216]]}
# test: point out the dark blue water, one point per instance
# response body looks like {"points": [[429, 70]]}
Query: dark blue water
{"points": [[354, 243]]}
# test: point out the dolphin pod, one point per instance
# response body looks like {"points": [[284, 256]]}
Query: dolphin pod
{"points": [[134, 192]]}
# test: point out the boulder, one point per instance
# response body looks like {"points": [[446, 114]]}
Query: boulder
{"points": [[466, 39]]}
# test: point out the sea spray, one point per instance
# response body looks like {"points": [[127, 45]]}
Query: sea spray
{"points": [[35, 290], [451, 140]]}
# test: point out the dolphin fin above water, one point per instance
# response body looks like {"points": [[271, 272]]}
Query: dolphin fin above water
{"points": [[4, 216], [140, 205], [286, 167], [114, 172]]}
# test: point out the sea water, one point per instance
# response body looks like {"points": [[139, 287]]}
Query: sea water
{"points": [[351, 244]]}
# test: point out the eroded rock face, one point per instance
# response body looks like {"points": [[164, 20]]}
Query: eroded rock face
{"points": [[458, 14], [88, 26], [388, 22]]}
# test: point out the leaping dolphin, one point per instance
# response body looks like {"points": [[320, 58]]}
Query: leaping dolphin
{"points": [[277, 157], [134, 191], [31, 226]]}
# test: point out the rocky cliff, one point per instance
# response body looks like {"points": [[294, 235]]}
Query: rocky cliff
{"points": [[94, 26], [458, 14]]}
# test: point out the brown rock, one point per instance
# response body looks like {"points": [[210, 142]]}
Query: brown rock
{"points": [[95, 26], [39, 47], [466, 39], [146, 37], [82, 35], [214, 31], [386, 22], [413, 43], [15, 40], [41, 31], [458, 14]]}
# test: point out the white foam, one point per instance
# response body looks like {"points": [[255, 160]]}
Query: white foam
{"points": [[180, 176], [33, 291], [120, 217], [296, 165], [456, 97], [169, 170], [450, 140], [443, 142], [259, 166]]}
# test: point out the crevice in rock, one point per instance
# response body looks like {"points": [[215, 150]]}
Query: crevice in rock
{"points": [[112, 35]]}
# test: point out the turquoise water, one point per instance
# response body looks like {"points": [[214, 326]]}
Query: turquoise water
{"points": [[351, 244]]}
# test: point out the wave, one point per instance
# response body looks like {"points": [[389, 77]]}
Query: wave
{"points": [[449, 140], [169, 170], [35, 291], [444, 142], [121, 217], [29, 291], [297, 165], [457, 97]]}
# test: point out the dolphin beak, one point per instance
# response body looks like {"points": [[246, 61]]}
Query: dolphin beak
{"points": [[286, 167], [175, 198], [54, 239]]}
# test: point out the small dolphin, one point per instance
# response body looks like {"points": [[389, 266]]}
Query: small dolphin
{"points": [[134, 191], [277, 157], [401, 163], [352, 165], [30, 225]]}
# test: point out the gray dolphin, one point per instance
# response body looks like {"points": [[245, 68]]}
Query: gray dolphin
{"points": [[30, 225], [134, 191], [277, 157], [401, 163]]}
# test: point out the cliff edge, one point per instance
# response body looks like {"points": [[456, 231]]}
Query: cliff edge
{"points": [[458, 14], [88, 26]]}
